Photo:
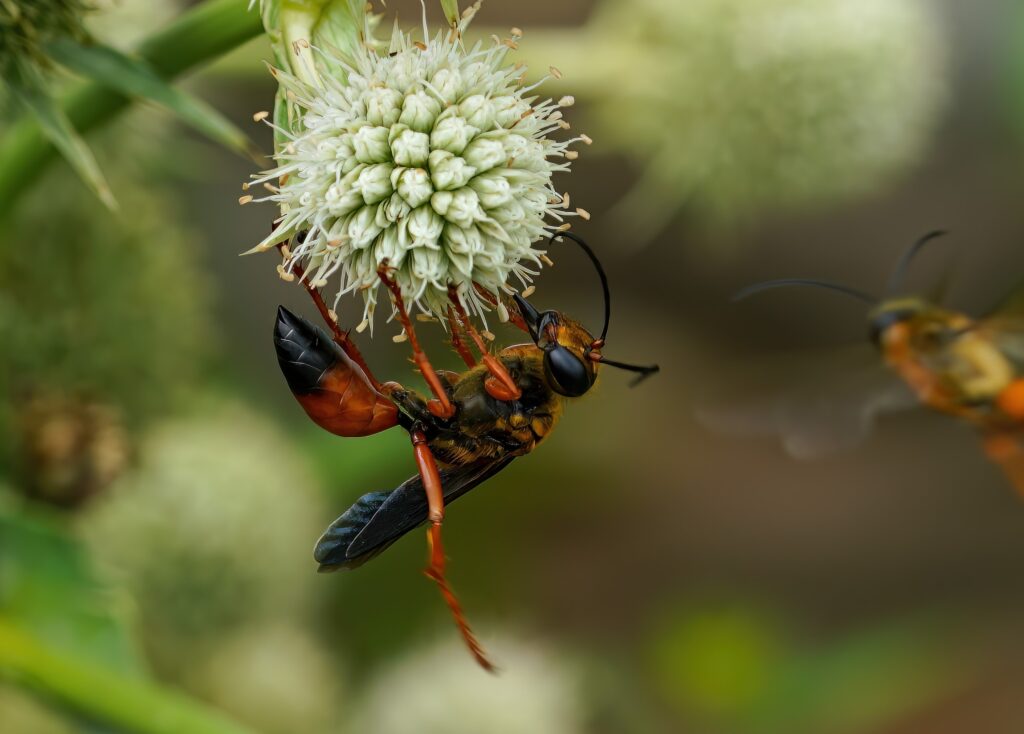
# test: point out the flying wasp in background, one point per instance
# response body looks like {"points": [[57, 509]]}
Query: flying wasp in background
{"points": [[971, 368], [473, 426]]}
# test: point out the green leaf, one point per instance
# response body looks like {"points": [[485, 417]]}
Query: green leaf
{"points": [[200, 34], [133, 77], [47, 587], [58, 129], [61, 637]]}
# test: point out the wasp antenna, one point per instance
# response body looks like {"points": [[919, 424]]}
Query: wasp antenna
{"points": [[899, 273], [786, 282], [644, 370], [600, 272]]}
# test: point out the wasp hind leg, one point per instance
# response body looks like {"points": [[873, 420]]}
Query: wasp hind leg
{"points": [[437, 562], [1006, 449], [441, 405]]}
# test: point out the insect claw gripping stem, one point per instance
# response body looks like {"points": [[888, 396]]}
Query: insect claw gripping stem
{"points": [[442, 406], [500, 385], [340, 336], [436, 569]]}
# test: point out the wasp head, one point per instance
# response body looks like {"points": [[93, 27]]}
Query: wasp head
{"points": [[917, 325], [571, 353]]}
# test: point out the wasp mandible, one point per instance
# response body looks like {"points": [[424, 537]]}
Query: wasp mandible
{"points": [[503, 406], [971, 368]]}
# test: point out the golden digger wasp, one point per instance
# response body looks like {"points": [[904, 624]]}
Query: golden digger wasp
{"points": [[971, 368], [503, 406]]}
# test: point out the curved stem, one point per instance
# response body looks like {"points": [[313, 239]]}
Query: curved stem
{"points": [[100, 695], [197, 36]]}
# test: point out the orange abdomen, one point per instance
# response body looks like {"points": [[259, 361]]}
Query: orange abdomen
{"points": [[332, 389]]}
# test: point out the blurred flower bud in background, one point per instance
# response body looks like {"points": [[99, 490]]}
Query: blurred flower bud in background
{"points": [[103, 323], [70, 448], [437, 690], [733, 107], [213, 528], [276, 677], [740, 667]]}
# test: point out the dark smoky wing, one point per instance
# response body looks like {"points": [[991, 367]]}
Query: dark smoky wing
{"points": [[818, 404], [406, 507]]}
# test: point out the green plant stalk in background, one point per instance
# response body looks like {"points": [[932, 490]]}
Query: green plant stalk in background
{"points": [[198, 36], [102, 696]]}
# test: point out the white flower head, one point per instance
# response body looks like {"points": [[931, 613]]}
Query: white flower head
{"points": [[539, 691], [432, 158], [752, 106]]}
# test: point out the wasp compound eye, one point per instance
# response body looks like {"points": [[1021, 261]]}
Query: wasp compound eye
{"points": [[881, 323], [568, 375]]}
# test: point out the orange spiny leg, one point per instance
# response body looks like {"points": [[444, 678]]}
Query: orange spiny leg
{"points": [[1005, 449], [441, 407], [340, 336], [500, 384], [435, 513], [457, 344]]}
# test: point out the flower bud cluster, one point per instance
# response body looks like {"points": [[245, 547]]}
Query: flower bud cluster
{"points": [[433, 159]]}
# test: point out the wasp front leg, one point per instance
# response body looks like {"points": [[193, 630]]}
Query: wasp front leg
{"points": [[500, 384], [437, 562]]}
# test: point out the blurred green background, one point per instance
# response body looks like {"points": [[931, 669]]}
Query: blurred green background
{"points": [[160, 491]]}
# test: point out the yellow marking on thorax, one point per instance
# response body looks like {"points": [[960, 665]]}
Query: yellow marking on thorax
{"points": [[990, 370]]}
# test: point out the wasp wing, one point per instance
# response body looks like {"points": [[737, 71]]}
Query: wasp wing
{"points": [[1005, 325], [827, 412], [1012, 304], [378, 519]]}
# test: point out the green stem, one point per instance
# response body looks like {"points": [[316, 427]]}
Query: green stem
{"points": [[208, 30], [99, 695]]}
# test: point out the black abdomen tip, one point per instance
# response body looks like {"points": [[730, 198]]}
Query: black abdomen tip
{"points": [[304, 351]]}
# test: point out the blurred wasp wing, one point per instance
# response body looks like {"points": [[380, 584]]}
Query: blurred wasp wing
{"points": [[826, 412], [1005, 325], [378, 519]]}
